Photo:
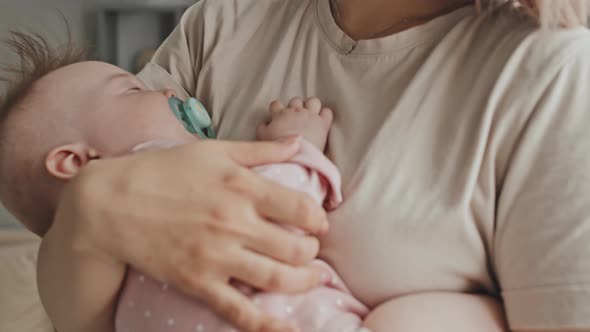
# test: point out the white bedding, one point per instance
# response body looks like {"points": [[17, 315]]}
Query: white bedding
{"points": [[20, 307]]}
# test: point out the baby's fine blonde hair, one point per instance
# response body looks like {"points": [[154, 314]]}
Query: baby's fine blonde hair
{"points": [[36, 58], [550, 13]]}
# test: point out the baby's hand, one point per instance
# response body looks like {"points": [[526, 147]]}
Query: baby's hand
{"points": [[308, 119]]}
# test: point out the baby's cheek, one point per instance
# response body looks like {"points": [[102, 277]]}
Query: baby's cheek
{"points": [[162, 124]]}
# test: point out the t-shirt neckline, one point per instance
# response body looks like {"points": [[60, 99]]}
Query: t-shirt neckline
{"points": [[401, 40]]}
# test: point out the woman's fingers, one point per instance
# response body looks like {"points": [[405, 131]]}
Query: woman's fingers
{"points": [[240, 311], [275, 202], [269, 275], [285, 246]]}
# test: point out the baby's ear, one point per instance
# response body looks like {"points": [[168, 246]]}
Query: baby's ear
{"points": [[66, 161]]}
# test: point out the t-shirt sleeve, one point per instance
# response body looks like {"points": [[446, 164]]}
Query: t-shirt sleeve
{"points": [[177, 62], [542, 241]]}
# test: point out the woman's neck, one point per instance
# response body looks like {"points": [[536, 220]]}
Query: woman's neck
{"points": [[367, 19]]}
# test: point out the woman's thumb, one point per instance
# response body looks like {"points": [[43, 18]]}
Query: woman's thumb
{"points": [[263, 153]]}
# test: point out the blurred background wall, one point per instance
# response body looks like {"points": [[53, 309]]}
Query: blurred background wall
{"points": [[41, 15]]}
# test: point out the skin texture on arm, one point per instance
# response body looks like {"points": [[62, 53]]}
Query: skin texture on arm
{"points": [[78, 288]]}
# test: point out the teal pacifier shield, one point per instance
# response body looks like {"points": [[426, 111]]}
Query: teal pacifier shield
{"points": [[193, 116], [197, 111]]}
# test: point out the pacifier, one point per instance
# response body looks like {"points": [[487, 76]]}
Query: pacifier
{"points": [[193, 116]]}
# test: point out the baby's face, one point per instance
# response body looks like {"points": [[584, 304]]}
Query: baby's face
{"points": [[112, 107], [74, 115]]}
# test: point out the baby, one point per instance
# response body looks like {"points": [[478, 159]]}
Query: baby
{"points": [[110, 113]]}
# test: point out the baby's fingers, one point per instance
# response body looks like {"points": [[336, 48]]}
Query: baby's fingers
{"points": [[296, 103], [313, 104], [327, 116], [276, 107]]}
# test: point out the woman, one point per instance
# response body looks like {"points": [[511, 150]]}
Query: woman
{"points": [[461, 139]]}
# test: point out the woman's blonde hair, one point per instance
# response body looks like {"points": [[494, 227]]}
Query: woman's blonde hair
{"points": [[550, 13]]}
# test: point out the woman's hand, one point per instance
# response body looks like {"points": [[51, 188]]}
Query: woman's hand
{"points": [[195, 216]]}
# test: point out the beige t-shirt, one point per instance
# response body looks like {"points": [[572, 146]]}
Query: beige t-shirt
{"points": [[463, 143]]}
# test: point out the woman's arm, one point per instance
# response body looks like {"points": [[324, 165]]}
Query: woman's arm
{"points": [[193, 223], [541, 248], [78, 287]]}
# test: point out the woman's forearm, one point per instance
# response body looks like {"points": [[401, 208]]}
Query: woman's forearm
{"points": [[78, 287]]}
